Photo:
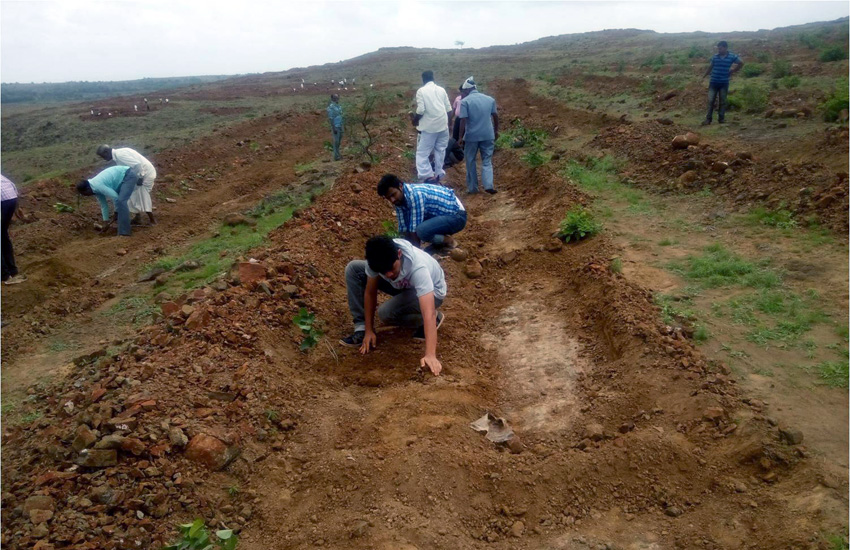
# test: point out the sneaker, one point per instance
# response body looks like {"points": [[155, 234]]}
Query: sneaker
{"points": [[705, 123], [355, 340], [419, 333], [432, 179], [17, 279], [449, 242], [721, 121], [491, 191]]}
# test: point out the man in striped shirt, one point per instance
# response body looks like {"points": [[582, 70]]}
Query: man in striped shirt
{"points": [[723, 65], [425, 212]]}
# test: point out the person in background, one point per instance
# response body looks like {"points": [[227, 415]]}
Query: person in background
{"points": [[335, 120], [723, 65], [9, 208], [456, 107], [433, 112], [115, 183], [141, 200], [479, 130], [417, 285]]}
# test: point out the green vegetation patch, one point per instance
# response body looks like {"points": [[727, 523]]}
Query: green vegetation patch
{"points": [[578, 224], [719, 267], [837, 102]]}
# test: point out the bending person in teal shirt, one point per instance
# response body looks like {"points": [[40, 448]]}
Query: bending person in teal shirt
{"points": [[117, 184]]}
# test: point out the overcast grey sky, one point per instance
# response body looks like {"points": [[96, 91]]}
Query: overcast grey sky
{"points": [[50, 41]]}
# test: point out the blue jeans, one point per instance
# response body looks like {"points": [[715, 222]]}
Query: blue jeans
{"points": [[715, 89], [128, 185], [470, 150], [337, 139], [434, 230]]}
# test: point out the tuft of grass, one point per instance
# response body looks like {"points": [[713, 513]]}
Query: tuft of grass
{"points": [[578, 224], [834, 374], [750, 98], [616, 265], [667, 242], [782, 218], [701, 333], [719, 267], [752, 70], [135, 309], [790, 81], [781, 68], [675, 310]]}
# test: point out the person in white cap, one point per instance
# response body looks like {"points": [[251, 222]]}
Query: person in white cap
{"points": [[433, 112], [140, 201], [479, 129]]}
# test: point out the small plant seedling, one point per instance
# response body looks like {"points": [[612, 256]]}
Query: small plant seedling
{"points": [[272, 415], [233, 491], [62, 207], [195, 536], [390, 229], [616, 265], [306, 322], [578, 224]]}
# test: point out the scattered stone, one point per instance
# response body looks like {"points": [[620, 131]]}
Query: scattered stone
{"points": [[626, 427], [111, 441], [594, 432], [554, 245], [719, 167], [473, 269], [84, 438], [198, 318], [210, 451], [713, 414], [169, 199], [98, 458], [458, 254], [665, 121], [688, 177], [791, 436], [177, 437], [39, 502], [121, 251], [103, 494], [40, 516], [359, 529], [41, 531], [508, 257], [680, 142], [674, 511], [234, 219], [251, 273], [693, 139], [517, 529], [188, 265], [162, 279], [151, 275], [291, 291], [133, 445], [515, 445]]}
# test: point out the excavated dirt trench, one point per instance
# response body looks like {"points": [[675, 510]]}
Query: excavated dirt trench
{"points": [[630, 438]]}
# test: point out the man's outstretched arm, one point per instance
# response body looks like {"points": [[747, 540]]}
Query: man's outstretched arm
{"points": [[370, 340], [429, 321]]}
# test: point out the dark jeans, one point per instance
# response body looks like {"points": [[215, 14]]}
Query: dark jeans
{"points": [[716, 89], [337, 139], [402, 309], [434, 230], [7, 210], [128, 185], [456, 128]]}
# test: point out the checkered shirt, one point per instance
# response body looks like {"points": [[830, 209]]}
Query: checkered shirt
{"points": [[423, 202], [8, 191]]}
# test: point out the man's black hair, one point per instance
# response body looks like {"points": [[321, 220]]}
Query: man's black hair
{"points": [[722, 44], [381, 254], [389, 180], [427, 76], [83, 187]]}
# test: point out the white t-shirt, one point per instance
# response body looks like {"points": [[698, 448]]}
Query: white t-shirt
{"points": [[129, 157], [432, 102], [419, 271]]}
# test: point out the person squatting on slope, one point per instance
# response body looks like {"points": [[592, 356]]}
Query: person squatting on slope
{"points": [[8, 208], [417, 285], [425, 213], [479, 130], [433, 112], [335, 120], [140, 201], [721, 69], [116, 183]]}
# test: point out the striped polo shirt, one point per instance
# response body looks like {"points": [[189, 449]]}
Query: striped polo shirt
{"points": [[720, 67]]}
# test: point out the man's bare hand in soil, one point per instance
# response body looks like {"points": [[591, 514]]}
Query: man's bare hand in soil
{"points": [[432, 363], [370, 342]]}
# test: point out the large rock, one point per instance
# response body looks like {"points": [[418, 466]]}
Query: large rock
{"points": [[98, 458], [688, 177], [198, 319], [791, 436], [39, 502], [84, 438], [459, 254], [680, 142], [693, 139], [594, 432], [210, 451], [251, 273], [473, 269]]}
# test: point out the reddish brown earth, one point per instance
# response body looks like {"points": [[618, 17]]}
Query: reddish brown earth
{"points": [[629, 437]]}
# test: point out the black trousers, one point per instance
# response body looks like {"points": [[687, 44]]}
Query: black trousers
{"points": [[7, 210]]}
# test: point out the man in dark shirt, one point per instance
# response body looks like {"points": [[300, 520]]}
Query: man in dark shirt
{"points": [[721, 69]]}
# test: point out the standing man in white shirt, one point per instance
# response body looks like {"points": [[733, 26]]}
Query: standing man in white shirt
{"points": [[140, 201], [433, 110]]}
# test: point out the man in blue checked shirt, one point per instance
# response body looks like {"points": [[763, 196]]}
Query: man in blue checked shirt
{"points": [[425, 212], [723, 65], [117, 184], [335, 120]]}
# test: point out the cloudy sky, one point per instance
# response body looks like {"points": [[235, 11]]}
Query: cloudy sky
{"points": [[56, 41]]}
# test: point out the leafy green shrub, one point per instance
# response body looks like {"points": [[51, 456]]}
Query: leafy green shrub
{"points": [[655, 62], [535, 158], [390, 229], [578, 224], [62, 207], [837, 102], [750, 99], [520, 136], [306, 321], [780, 68], [697, 52], [790, 81], [810, 41], [194, 536], [763, 57], [753, 69], [835, 53]]}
